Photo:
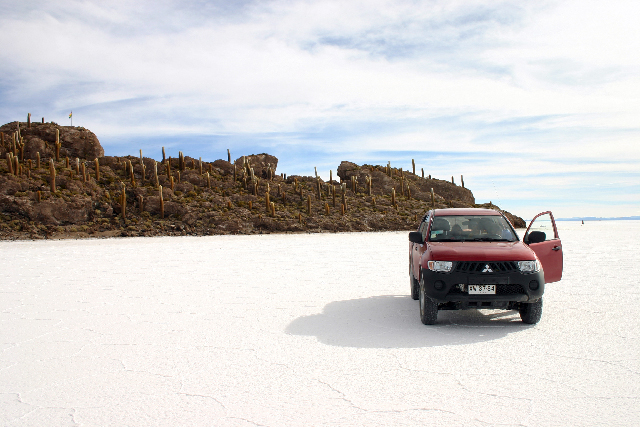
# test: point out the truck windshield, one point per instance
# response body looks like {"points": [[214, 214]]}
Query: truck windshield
{"points": [[475, 228]]}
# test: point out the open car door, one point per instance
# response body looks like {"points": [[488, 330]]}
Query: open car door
{"points": [[542, 237]]}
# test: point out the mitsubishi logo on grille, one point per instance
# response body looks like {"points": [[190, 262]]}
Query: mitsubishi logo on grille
{"points": [[487, 269]]}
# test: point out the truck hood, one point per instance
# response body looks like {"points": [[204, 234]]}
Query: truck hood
{"points": [[480, 251]]}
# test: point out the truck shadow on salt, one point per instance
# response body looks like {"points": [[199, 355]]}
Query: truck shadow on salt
{"points": [[390, 321]]}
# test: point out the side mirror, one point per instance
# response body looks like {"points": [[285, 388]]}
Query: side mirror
{"points": [[535, 237], [416, 237]]}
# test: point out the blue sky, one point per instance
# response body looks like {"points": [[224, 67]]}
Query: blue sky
{"points": [[537, 104]]}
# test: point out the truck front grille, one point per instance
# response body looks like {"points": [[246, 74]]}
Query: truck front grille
{"points": [[485, 267]]}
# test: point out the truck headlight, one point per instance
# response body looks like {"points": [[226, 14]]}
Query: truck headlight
{"points": [[440, 266], [528, 266]]}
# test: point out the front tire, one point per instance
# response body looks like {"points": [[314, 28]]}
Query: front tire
{"points": [[428, 307], [531, 313], [415, 287]]}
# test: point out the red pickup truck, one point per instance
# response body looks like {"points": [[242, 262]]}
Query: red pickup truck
{"points": [[473, 259]]}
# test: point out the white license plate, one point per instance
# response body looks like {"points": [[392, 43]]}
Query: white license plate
{"points": [[482, 289]]}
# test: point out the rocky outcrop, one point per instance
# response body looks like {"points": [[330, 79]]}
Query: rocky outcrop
{"points": [[41, 138], [199, 198], [260, 163]]}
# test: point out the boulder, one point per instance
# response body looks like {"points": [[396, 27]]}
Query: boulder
{"points": [[41, 137], [260, 163]]}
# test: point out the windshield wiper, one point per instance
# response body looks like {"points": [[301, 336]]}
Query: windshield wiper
{"points": [[488, 239]]}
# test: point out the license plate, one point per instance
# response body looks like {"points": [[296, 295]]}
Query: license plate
{"points": [[482, 289]]}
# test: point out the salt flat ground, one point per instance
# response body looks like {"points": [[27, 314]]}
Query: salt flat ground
{"points": [[306, 330]]}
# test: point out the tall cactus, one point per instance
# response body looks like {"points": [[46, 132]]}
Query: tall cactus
{"points": [[52, 176], [10, 162], [123, 201], [58, 145]]}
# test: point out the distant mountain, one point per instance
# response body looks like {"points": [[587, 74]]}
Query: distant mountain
{"points": [[594, 218]]}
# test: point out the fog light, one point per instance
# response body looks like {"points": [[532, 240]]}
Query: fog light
{"points": [[439, 285], [534, 285]]}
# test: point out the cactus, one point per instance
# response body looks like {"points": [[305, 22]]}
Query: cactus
{"points": [[10, 162], [161, 201], [155, 173], [163, 156], [422, 172], [413, 164], [330, 176], [84, 173], [393, 196], [97, 163], [373, 200], [267, 201], [208, 180], [201, 166], [433, 198], [333, 190], [52, 176], [308, 204], [58, 145], [343, 209], [28, 120], [462, 180], [228, 155], [171, 183], [38, 160], [133, 178], [123, 201], [141, 203], [326, 209]]}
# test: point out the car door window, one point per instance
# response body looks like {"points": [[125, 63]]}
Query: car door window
{"points": [[423, 228], [542, 229]]}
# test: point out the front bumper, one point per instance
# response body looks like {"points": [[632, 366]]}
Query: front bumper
{"points": [[510, 287]]}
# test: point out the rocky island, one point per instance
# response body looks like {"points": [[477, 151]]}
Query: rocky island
{"points": [[56, 182]]}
